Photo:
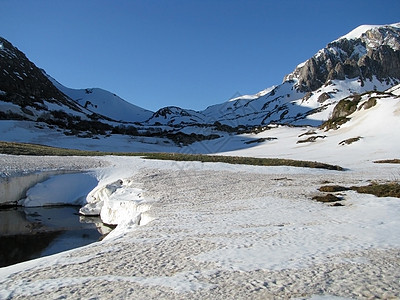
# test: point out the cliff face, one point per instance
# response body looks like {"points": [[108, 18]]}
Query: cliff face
{"points": [[375, 52]]}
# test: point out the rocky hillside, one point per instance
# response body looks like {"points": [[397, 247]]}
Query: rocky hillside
{"points": [[23, 84], [349, 106], [375, 52]]}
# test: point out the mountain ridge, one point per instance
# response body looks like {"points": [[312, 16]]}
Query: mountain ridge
{"points": [[366, 59], [105, 103]]}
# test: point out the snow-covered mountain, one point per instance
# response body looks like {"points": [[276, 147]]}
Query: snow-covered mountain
{"points": [[364, 53], [172, 115], [367, 58], [104, 103], [361, 128]]}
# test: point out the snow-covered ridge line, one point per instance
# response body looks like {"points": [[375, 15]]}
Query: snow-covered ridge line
{"points": [[360, 30]]}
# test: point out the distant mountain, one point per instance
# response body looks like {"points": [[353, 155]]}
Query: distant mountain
{"points": [[104, 103], [361, 128], [172, 115], [35, 107]]}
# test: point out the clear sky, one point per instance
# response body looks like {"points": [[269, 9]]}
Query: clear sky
{"points": [[187, 53]]}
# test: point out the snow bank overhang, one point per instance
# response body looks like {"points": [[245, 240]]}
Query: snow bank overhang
{"points": [[64, 189]]}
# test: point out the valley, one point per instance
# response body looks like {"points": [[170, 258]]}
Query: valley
{"points": [[265, 196]]}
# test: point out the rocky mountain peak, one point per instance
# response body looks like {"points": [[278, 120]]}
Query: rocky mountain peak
{"points": [[363, 55]]}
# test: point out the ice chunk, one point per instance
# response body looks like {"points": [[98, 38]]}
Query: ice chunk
{"points": [[117, 203]]}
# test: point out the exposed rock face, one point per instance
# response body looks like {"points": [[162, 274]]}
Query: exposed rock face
{"points": [[375, 53], [24, 84]]}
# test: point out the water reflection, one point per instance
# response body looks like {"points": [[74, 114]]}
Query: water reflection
{"points": [[27, 233]]}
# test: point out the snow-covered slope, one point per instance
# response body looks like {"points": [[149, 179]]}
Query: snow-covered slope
{"points": [[218, 230], [25, 93], [30, 93], [366, 133], [104, 103], [285, 104]]}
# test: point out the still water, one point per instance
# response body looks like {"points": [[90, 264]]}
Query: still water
{"points": [[28, 233]]}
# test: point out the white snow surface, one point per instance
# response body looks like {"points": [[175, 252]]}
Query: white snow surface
{"points": [[357, 32], [212, 230], [360, 30]]}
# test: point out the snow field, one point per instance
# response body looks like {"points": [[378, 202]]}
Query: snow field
{"points": [[223, 231], [14, 165]]}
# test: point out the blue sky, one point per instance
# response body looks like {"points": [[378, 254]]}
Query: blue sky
{"points": [[185, 53]]}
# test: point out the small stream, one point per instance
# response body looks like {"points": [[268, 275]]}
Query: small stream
{"points": [[28, 233]]}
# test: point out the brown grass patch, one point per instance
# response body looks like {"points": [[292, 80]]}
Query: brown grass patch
{"points": [[391, 189], [328, 198], [333, 188], [388, 161]]}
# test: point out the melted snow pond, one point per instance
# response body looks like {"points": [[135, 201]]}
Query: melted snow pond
{"points": [[28, 233], [44, 229]]}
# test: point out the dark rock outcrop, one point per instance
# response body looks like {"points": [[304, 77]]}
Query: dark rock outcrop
{"points": [[375, 53], [24, 84]]}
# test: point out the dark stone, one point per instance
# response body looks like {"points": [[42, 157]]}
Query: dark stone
{"points": [[323, 97]]}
